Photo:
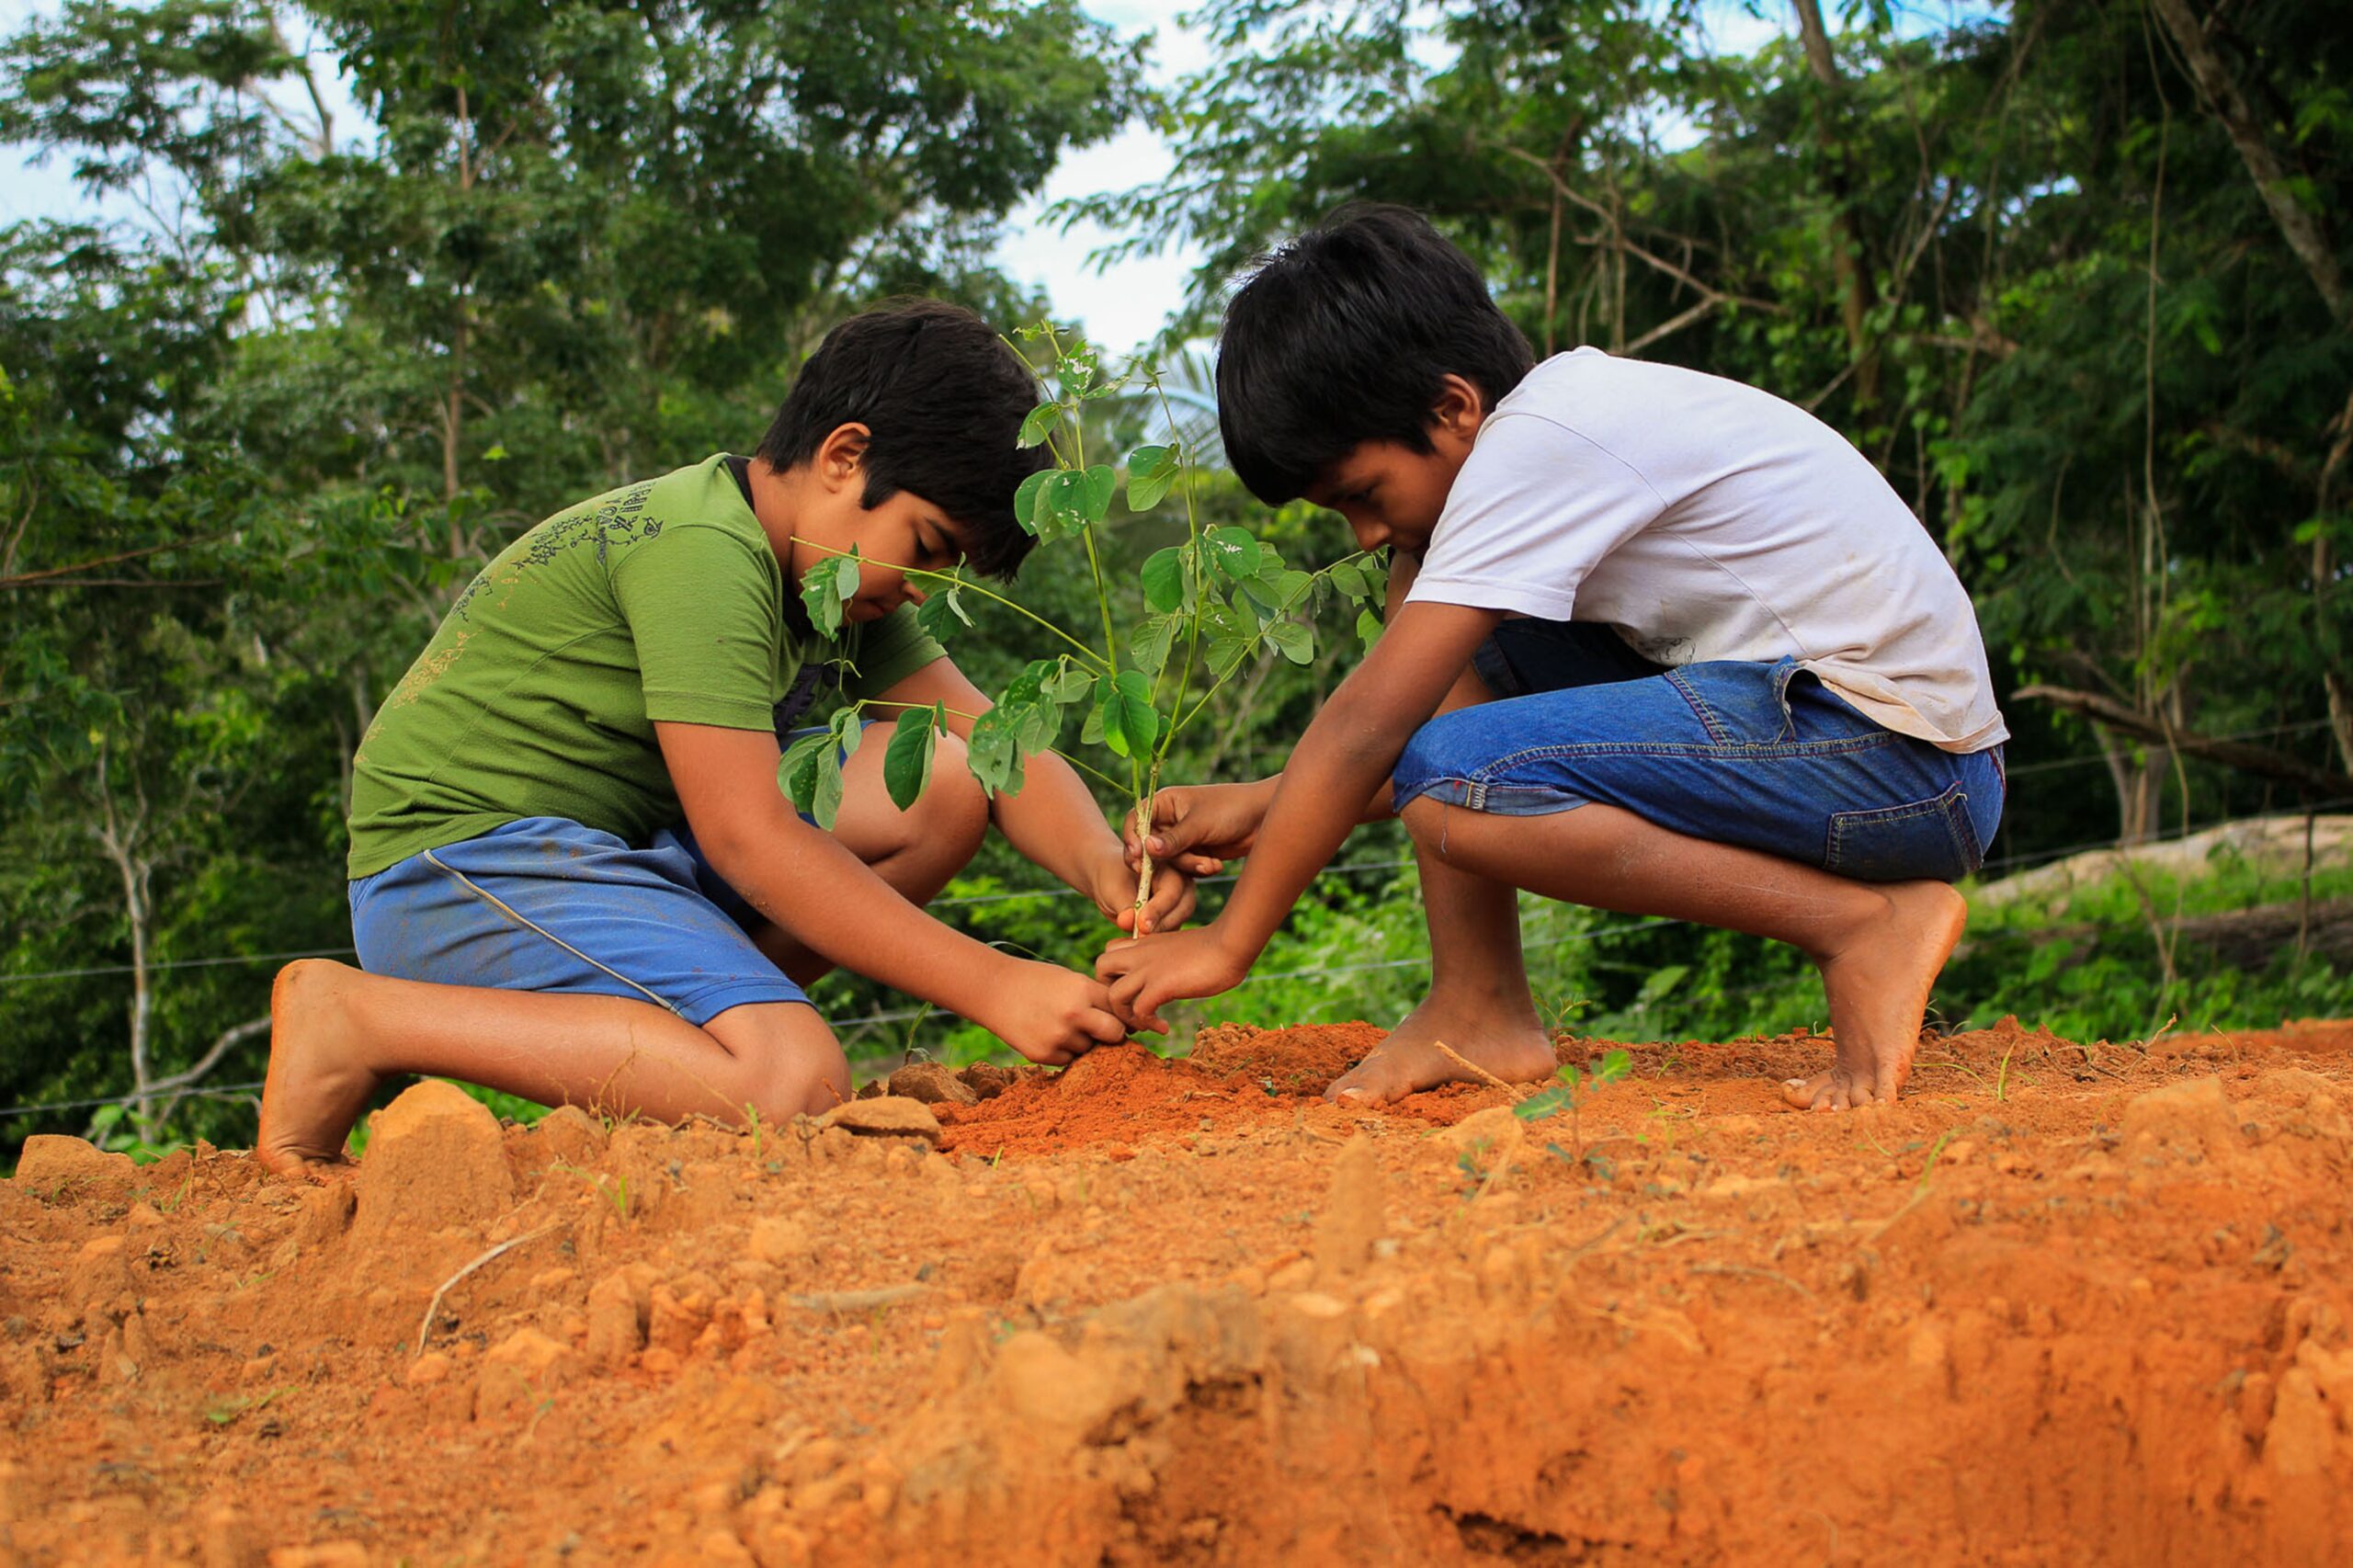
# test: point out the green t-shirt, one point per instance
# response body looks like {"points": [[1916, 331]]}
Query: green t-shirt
{"points": [[538, 695]]}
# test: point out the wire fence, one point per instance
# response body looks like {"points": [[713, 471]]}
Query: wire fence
{"points": [[915, 1014]]}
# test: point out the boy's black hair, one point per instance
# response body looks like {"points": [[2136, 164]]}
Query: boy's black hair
{"points": [[943, 398], [1343, 336]]}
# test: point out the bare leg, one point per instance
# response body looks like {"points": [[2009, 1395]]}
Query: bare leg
{"points": [[917, 851], [1478, 1006], [1879, 946], [337, 1033]]}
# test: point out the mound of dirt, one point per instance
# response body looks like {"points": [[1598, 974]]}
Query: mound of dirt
{"points": [[2079, 1302]]}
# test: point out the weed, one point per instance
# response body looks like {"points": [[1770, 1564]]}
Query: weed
{"points": [[225, 1411], [1575, 1087], [2002, 1075], [1929, 1166], [752, 1121], [1475, 1175]]}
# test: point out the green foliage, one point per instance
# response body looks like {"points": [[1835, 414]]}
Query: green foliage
{"points": [[1207, 606]]}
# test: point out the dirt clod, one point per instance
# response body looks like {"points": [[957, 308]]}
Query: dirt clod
{"points": [[435, 1159], [933, 1084], [886, 1115], [53, 1166]]}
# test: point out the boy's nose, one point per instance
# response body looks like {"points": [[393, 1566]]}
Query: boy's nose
{"points": [[912, 594]]}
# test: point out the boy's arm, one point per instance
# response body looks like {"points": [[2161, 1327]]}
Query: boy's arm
{"points": [[829, 901], [1348, 751], [1054, 821]]}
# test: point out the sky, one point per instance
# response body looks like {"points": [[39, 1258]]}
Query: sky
{"points": [[1119, 307]]}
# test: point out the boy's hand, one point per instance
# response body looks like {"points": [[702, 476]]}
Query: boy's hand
{"points": [[1170, 906], [1052, 1015], [1200, 826], [1145, 974]]}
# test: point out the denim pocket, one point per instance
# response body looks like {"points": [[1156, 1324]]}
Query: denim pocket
{"points": [[1741, 703], [1932, 838]]}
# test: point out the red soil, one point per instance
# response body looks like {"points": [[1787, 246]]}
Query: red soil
{"points": [[2079, 1303]]}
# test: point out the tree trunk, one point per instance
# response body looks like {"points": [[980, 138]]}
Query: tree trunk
{"points": [[118, 833], [1848, 263], [2220, 92]]}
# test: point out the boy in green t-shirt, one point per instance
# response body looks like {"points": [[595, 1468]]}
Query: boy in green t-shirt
{"points": [[573, 876]]}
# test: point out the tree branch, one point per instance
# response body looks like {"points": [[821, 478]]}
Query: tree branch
{"points": [[2259, 760]]}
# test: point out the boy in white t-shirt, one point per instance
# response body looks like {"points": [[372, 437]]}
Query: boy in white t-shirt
{"points": [[1658, 642]]}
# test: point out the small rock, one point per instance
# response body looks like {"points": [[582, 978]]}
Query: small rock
{"points": [[778, 1238], [519, 1371], [1498, 1127], [932, 1083], [54, 1166], [986, 1079], [569, 1134], [230, 1539], [2192, 1118], [429, 1370], [435, 1159], [889, 1115]]}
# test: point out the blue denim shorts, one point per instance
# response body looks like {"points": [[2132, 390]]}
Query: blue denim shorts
{"points": [[1762, 756], [547, 905]]}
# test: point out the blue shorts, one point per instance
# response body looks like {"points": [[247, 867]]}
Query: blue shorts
{"points": [[1760, 756], [547, 905]]}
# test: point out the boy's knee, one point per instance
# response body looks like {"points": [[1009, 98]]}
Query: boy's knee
{"points": [[1422, 764], [799, 1068], [804, 1087]]}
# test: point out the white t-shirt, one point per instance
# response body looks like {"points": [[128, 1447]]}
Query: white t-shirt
{"points": [[1706, 519]]}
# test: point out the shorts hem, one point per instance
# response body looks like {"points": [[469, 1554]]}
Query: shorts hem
{"points": [[700, 1007], [1490, 801]]}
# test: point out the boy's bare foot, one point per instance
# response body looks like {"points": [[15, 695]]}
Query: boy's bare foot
{"points": [[1877, 986], [1509, 1043], [318, 1083]]}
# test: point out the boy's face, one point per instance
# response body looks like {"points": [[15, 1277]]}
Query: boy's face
{"points": [[1391, 494], [905, 531]]}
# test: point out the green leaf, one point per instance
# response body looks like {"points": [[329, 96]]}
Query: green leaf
{"points": [[1368, 628], [1229, 640], [1150, 471], [1235, 552], [797, 774], [941, 608], [907, 765], [1130, 723], [1071, 684], [1297, 642], [995, 759], [1163, 579], [1061, 506], [825, 587], [1102, 482], [1025, 499], [813, 773], [1279, 590], [1149, 650], [848, 728], [1040, 421], [1350, 579]]}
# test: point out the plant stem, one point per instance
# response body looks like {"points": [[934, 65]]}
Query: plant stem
{"points": [[966, 583]]}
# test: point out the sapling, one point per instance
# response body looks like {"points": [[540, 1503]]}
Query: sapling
{"points": [[1207, 606], [1575, 1087]]}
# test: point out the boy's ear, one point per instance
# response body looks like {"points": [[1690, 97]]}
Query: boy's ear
{"points": [[1459, 409], [840, 458]]}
